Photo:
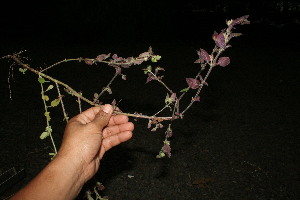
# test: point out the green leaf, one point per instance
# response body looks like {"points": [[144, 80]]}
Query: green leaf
{"points": [[44, 135], [168, 99], [155, 58], [41, 80], [48, 129], [47, 115], [23, 70], [55, 102], [50, 87], [161, 155], [184, 90], [45, 97]]}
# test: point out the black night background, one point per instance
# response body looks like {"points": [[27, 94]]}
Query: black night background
{"points": [[240, 142]]}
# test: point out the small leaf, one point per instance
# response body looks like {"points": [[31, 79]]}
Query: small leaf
{"points": [[23, 70], [193, 83], [41, 80], [48, 129], [88, 61], [161, 155], [224, 61], [55, 102], [47, 115], [220, 41], [204, 56], [150, 77], [50, 87], [197, 98], [184, 90], [44, 135], [102, 57], [155, 58], [45, 97], [167, 149]]}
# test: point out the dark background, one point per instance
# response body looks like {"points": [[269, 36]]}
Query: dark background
{"points": [[240, 142]]}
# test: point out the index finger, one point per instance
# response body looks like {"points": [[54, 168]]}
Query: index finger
{"points": [[117, 119]]}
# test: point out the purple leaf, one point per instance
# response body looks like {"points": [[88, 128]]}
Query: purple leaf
{"points": [[150, 77], [220, 41], [204, 56], [193, 83], [169, 133], [224, 61], [102, 57], [118, 70], [173, 96], [167, 150], [115, 56], [241, 20], [197, 98], [198, 61], [89, 61], [126, 65]]}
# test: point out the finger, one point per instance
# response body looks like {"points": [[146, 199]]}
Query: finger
{"points": [[114, 140], [118, 119], [86, 116], [112, 130], [103, 116]]}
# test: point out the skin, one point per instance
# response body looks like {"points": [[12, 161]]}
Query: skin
{"points": [[87, 137]]}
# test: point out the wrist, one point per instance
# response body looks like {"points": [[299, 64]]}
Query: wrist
{"points": [[69, 175], [70, 166]]}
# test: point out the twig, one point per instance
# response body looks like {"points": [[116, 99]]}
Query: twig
{"points": [[62, 103]]}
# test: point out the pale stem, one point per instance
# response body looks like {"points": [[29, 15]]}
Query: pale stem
{"points": [[166, 106], [162, 82], [46, 110], [79, 105], [62, 103]]}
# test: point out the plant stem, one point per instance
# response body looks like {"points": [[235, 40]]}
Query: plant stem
{"points": [[63, 61], [17, 60], [62, 103], [103, 90], [48, 124], [160, 81]]}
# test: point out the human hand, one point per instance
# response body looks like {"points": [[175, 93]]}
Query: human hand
{"points": [[90, 134]]}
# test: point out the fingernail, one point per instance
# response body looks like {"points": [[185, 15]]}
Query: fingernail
{"points": [[106, 108]]}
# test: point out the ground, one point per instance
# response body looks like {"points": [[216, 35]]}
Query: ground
{"points": [[240, 142]]}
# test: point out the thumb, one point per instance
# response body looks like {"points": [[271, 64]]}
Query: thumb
{"points": [[103, 116]]}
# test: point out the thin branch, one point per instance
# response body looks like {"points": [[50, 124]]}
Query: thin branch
{"points": [[71, 90], [62, 103], [63, 61], [47, 121], [108, 86], [160, 81]]}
